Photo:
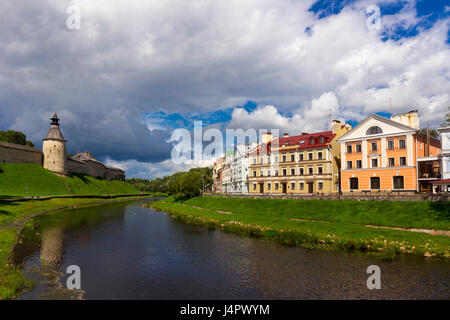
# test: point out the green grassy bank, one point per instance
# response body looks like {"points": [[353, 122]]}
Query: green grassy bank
{"points": [[15, 178], [324, 224], [13, 216]]}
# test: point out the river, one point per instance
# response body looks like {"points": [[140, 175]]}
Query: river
{"points": [[127, 251]]}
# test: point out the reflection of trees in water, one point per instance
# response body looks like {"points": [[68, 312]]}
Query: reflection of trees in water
{"points": [[52, 246]]}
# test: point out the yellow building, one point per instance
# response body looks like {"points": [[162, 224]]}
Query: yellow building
{"points": [[303, 164]]}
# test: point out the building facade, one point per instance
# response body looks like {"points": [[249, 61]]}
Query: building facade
{"points": [[303, 164], [443, 185], [240, 167], [382, 154]]}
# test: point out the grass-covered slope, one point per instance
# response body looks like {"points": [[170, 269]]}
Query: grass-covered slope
{"points": [[15, 178], [417, 214]]}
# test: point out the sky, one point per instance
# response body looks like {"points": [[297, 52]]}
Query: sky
{"points": [[135, 70]]}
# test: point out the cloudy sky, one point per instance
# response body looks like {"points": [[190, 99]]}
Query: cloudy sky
{"points": [[136, 70]]}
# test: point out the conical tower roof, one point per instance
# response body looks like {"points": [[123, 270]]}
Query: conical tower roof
{"points": [[55, 133]]}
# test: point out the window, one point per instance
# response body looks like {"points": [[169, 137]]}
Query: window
{"points": [[320, 185], [310, 170], [254, 173], [302, 186], [284, 172], [284, 158], [311, 141], [319, 155], [349, 149], [321, 140], [292, 172], [310, 156], [403, 161], [391, 144], [301, 171], [276, 173], [261, 173], [401, 144], [374, 163], [254, 186], [399, 182], [268, 172], [358, 163], [276, 186], [354, 183], [320, 170], [349, 164], [254, 160], [358, 148], [276, 159], [373, 130], [268, 186], [268, 160], [374, 146], [292, 158], [261, 161], [375, 183], [391, 162], [292, 186], [301, 157]]}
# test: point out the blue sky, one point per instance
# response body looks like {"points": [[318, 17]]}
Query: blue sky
{"points": [[140, 69]]}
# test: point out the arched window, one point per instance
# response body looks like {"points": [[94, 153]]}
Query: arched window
{"points": [[321, 139], [373, 130], [311, 141]]}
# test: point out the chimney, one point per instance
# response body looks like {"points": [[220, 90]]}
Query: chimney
{"points": [[410, 119], [285, 135], [335, 126], [266, 137]]}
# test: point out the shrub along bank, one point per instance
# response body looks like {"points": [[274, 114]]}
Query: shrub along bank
{"points": [[290, 227]]}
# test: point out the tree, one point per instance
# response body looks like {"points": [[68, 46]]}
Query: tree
{"points": [[447, 119], [191, 183], [17, 137]]}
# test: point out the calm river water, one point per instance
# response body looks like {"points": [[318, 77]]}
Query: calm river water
{"points": [[126, 251]]}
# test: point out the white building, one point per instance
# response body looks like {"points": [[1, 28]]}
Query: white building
{"points": [[444, 184], [239, 168]]}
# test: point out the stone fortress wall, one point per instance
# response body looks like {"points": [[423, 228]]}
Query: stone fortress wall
{"points": [[94, 168], [54, 158], [16, 153]]}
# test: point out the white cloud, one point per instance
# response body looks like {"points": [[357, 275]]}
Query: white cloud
{"points": [[134, 56]]}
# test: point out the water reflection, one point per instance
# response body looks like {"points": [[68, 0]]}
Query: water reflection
{"points": [[126, 251]]}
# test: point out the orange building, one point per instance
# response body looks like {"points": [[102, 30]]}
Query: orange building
{"points": [[382, 154]]}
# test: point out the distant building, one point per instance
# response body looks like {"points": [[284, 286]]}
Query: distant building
{"points": [[382, 154], [240, 168]]}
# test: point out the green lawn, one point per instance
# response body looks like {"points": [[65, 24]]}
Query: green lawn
{"points": [[15, 178], [255, 217], [428, 215]]}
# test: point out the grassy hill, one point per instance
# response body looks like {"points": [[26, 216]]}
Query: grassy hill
{"points": [[15, 178]]}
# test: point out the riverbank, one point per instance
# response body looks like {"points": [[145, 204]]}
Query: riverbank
{"points": [[13, 217], [323, 224]]}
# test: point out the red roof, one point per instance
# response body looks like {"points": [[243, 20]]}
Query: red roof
{"points": [[442, 181], [304, 141]]}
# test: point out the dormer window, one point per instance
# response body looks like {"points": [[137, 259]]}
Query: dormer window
{"points": [[373, 130], [321, 139], [311, 141]]}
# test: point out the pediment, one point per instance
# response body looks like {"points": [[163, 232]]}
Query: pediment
{"points": [[387, 126]]}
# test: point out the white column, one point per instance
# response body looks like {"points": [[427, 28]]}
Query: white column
{"points": [[409, 150], [383, 152], [364, 153]]}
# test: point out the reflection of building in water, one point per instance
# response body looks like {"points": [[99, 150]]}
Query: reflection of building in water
{"points": [[52, 246]]}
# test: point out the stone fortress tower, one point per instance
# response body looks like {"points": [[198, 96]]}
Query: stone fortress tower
{"points": [[54, 148]]}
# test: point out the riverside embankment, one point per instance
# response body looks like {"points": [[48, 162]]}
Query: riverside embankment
{"points": [[361, 227]]}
